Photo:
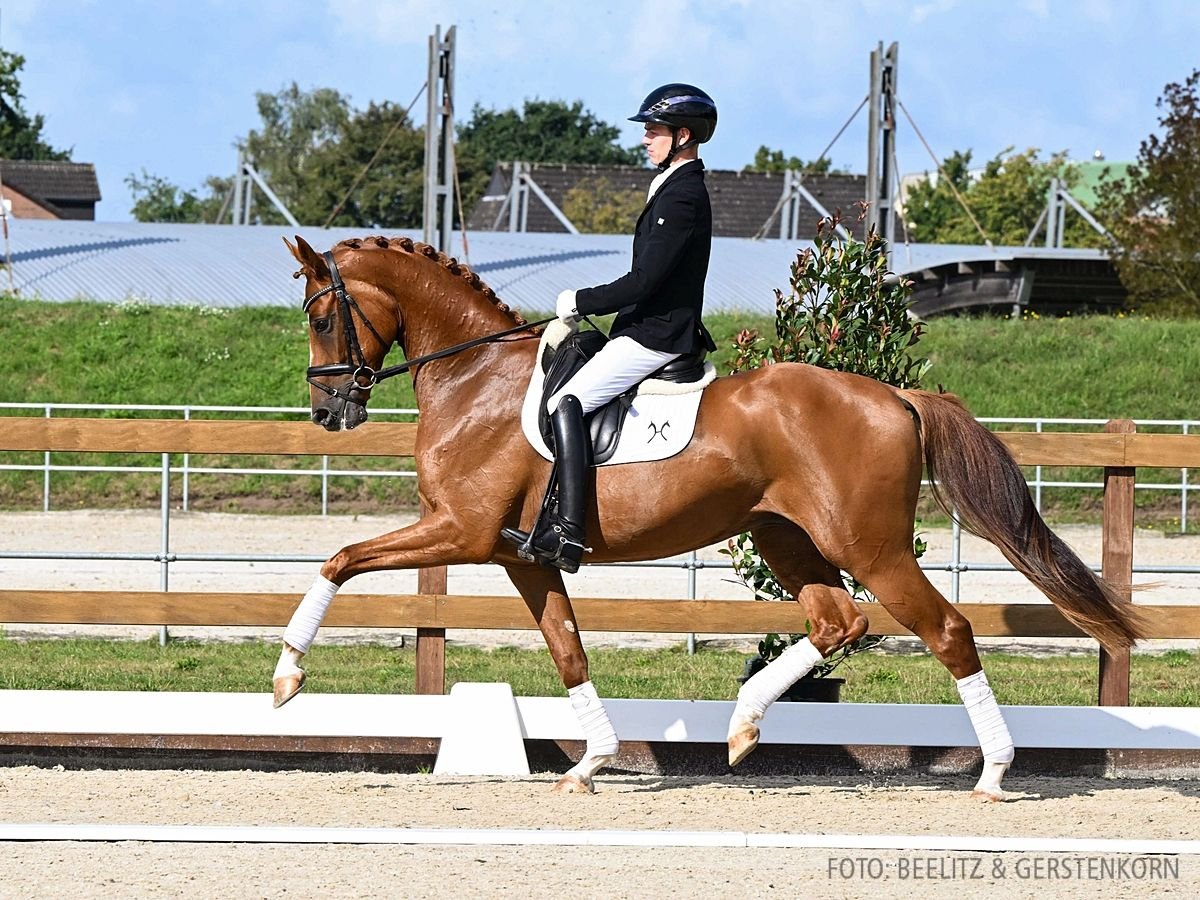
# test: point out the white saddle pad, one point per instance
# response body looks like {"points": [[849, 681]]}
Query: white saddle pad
{"points": [[658, 425]]}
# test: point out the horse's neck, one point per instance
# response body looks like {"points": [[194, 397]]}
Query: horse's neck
{"points": [[454, 382]]}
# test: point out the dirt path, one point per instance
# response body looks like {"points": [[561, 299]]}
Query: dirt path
{"points": [[1075, 808]]}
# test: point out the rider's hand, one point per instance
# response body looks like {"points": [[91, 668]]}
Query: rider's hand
{"points": [[565, 309]]}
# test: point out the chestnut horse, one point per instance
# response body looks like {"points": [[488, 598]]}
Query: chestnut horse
{"points": [[823, 468]]}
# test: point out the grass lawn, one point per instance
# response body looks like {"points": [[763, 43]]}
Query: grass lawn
{"points": [[1169, 679]]}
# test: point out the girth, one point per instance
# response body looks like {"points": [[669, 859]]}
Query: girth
{"points": [[604, 424]]}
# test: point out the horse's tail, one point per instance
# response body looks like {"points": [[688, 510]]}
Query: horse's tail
{"points": [[975, 479]]}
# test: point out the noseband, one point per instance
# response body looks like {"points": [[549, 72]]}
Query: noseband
{"points": [[362, 376]]}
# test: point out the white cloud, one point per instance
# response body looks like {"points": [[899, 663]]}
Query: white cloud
{"points": [[923, 11]]}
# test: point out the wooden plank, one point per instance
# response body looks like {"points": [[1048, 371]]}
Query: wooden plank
{"points": [[431, 642], [1166, 450], [205, 436], [1064, 448], [399, 439], [491, 612], [1117, 563]]}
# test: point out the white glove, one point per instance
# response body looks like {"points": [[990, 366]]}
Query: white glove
{"points": [[564, 307]]}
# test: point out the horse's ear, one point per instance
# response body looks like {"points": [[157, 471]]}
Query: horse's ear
{"points": [[313, 263]]}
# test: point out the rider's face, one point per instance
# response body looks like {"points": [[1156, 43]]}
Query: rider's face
{"points": [[657, 141]]}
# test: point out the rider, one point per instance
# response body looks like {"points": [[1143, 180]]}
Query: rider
{"points": [[658, 305]]}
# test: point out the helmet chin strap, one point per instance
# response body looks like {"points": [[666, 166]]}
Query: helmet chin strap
{"points": [[666, 163]]}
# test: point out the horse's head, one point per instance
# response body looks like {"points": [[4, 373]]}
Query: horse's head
{"points": [[349, 333]]}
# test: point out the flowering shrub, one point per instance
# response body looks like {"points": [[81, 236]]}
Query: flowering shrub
{"points": [[844, 311]]}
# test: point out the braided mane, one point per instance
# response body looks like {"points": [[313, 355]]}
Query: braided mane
{"points": [[449, 263]]}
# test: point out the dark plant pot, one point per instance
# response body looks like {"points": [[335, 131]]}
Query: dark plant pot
{"points": [[807, 690]]}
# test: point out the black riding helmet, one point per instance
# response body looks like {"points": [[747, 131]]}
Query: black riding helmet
{"points": [[680, 106]]}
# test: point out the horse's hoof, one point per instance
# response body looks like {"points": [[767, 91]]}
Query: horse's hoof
{"points": [[741, 742], [988, 786], [288, 686], [573, 784], [989, 795]]}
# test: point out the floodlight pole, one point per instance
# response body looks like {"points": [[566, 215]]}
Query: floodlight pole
{"points": [[439, 141], [881, 143]]}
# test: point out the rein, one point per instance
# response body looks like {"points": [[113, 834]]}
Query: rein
{"points": [[362, 376]]}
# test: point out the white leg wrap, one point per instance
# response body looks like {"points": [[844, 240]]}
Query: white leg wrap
{"points": [[302, 629], [768, 685], [601, 738], [994, 739]]}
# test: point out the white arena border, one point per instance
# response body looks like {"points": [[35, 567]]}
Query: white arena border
{"points": [[490, 711], [528, 837]]}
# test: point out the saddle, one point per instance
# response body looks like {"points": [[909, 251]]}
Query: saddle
{"points": [[604, 424]]}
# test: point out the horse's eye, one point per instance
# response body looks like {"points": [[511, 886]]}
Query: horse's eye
{"points": [[321, 325]]}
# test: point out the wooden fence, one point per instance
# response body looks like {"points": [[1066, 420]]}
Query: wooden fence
{"points": [[1120, 450]]}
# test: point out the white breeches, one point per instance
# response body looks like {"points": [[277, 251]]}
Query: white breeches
{"points": [[619, 365]]}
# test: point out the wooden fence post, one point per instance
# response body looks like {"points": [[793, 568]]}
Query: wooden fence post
{"points": [[1117, 562], [431, 642]]}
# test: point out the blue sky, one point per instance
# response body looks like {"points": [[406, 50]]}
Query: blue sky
{"points": [[169, 86]]}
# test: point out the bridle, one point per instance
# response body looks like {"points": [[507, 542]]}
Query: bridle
{"points": [[362, 376]]}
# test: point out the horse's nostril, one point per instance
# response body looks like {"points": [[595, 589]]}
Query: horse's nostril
{"points": [[320, 416]]}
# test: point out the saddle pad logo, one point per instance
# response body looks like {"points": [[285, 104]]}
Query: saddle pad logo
{"points": [[657, 432]]}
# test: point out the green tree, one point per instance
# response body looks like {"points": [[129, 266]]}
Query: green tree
{"points": [[544, 131], [1006, 199], [20, 133], [597, 207], [158, 200], [768, 160], [1152, 212], [311, 148]]}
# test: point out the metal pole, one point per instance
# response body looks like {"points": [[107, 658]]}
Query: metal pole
{"points": [[1183, 500], [446, 181], [252, 173], [1052, 213], [46, 475], [325, 485], [236, 217], [691, 576], [432, 96], [1037, 476], [4, 205], [955, 558], [881, 137], [187, 414], [165, 548]]}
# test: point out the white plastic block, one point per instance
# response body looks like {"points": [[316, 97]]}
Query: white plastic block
{"points": [[483, 735]]}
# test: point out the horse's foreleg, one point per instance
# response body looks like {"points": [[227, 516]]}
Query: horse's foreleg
{"points": [[434, 540], [546, 596], [917, 605]]}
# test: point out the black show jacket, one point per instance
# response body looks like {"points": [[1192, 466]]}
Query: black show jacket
{"points": [[658, 303]]}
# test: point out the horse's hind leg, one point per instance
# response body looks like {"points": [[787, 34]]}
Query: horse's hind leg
{"points": [[916, 604], [547, 599], [834, 621]]}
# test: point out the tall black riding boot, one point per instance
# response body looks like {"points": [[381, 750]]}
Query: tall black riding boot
{"points": [[558, 535]]}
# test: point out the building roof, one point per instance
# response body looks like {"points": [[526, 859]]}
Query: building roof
{"points": [[56, 182], [742, 202], [1093, 174], [235, 265]]}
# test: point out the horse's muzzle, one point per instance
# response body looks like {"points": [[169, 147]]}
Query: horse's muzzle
{"points": [[337, 414]]}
